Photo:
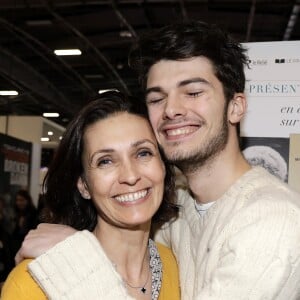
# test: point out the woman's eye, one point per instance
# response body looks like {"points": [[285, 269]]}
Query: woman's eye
{"points": [[103, 162], [145, 153]]}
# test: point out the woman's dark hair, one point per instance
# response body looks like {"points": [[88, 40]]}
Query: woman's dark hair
{"points": [[191, 39], [64, 204]]}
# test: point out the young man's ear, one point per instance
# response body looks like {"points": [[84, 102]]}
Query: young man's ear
{"points": [[237, 108], [82, 187]]}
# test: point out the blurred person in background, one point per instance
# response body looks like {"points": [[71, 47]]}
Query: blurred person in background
{"points": [[26, 217], [6, 251]]}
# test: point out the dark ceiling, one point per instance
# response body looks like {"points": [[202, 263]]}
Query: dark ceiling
{"points": [[104, 30]]}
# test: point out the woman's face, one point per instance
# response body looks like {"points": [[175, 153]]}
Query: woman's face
{"points": [[123, 170]]}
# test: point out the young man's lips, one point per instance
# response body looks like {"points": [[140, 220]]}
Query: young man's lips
{"points": [[180, 131]]}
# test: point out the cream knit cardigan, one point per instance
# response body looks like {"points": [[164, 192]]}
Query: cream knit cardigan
{"points": [[78, 269], [247, 246]]}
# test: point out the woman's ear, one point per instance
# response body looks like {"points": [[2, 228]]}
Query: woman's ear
{"points": [[82, 187], [237, 108]]}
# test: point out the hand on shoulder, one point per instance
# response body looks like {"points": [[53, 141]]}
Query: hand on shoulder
{"points": [[41, 239]]}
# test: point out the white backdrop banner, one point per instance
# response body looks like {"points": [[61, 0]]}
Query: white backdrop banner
{"points": [[273, 90]]}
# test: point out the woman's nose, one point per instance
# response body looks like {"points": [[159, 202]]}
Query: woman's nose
{"points": [[129, 173]]}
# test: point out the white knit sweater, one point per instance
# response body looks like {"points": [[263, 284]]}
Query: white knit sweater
{"points": [[247, 246], [78, 269]]}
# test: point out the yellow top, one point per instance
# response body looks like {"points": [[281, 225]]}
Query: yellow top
{"points": [[170, 280], [21, 286]]}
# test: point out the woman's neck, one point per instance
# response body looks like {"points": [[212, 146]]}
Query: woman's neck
{"points": [[128, 251]]}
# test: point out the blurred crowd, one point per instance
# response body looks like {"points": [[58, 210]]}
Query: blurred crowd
{"points": [[16, 219]]}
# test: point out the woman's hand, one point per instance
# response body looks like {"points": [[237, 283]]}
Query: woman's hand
{"points": [[41, 239]]}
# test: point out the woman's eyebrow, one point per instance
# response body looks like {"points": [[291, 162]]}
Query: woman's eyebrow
{"points": [[140, 142]]}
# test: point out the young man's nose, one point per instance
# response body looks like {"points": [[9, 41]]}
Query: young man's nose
{"points": [[173, 107]]}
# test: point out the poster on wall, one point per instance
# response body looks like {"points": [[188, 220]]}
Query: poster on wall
{"points": [[15, 163], [273, 95], [294, 163], [268, 152]]}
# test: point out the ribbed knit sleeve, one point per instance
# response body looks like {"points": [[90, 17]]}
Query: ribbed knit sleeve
{"points": [[77, 268], [247, 245]]}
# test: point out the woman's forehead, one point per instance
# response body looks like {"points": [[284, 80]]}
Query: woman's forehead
{"points": [[119, 128]]}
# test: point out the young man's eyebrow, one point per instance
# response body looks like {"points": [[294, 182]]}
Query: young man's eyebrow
{"points": [[192, 80], [154, 89]]}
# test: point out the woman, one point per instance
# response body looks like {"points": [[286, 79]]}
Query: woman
{"points": [[108, 177]]}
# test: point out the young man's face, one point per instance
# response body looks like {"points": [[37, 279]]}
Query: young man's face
{"points": [[187, 110]]}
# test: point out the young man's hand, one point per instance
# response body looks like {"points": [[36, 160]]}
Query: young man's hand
{"points": [[41, 239]]}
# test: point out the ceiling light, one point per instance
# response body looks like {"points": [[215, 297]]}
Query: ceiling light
{"points": [[51, 115], [125, 34], [108, 90], [9, 93], [50, 132], [45, 139], [63, 52]]}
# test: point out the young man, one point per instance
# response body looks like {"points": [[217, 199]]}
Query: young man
{"points": [[238, 234]]}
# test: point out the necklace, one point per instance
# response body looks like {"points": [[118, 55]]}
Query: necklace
{"points": [[155, 270], [141, 288]]}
